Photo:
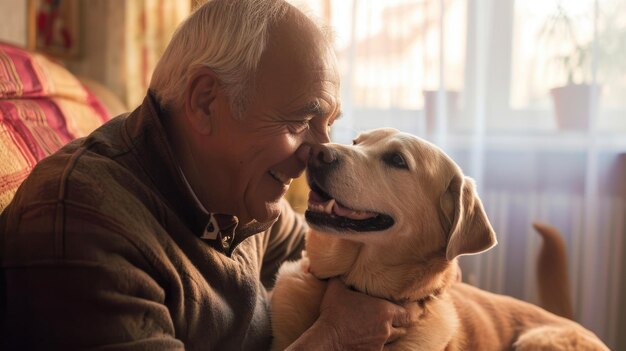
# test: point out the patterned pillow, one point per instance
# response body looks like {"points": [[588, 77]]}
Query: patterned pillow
{"points": [[42, 107]]}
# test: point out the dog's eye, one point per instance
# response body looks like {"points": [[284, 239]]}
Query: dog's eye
{"points": [[353, 141], [396, 160]]}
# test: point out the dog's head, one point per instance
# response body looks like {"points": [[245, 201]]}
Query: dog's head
{"points": [[392, 188]]}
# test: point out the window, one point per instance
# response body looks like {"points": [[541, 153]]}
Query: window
{"points": [[496, 68], [559, 43]]}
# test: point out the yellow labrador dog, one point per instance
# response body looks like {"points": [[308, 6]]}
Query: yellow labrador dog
{"points": [[390, 215]]}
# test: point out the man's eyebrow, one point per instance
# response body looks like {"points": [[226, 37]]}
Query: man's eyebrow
{"points": [[316, 109], [312, 108]]}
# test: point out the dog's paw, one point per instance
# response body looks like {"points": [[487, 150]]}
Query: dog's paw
{"points": [[561, 338]]}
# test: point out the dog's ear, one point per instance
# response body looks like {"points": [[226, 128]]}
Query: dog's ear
{"points": [[469, 230]]}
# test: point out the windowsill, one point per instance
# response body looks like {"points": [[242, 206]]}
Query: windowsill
{"points": [[571, 141], [524, 130]]}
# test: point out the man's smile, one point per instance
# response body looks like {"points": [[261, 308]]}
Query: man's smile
{"points": [[280, 177]]}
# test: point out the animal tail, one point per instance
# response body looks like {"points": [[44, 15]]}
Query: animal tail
{"points": [[552, 273]]}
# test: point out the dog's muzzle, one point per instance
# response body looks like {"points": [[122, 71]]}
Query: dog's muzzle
{"points": [[324, 210]]}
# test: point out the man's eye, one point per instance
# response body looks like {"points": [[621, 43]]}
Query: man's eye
{"points": [[395, 159]]}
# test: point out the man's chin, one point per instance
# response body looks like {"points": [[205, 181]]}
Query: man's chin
{"points": [[260, 221]]}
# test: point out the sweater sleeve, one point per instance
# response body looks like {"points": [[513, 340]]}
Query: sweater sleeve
{"points": [[284, 242], [78, 297]]}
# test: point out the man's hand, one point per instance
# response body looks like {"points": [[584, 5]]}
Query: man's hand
{"points": [[356, 321]]}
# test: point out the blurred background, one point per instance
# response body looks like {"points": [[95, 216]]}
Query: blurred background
{"points": [[529, 97]]}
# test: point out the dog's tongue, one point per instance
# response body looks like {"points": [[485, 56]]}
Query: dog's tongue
{"points": [[341, 211], [317, 204]]}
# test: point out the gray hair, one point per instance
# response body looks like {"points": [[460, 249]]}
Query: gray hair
{"points": [[227, 36]]}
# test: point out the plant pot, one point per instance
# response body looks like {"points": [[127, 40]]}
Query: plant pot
{"points": [[430, 107], [572, 105]]}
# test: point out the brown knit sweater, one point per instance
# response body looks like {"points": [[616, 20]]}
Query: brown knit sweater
{"points": [[104, 245]]}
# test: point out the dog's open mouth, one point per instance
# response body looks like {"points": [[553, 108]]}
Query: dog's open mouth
{"points": [[325, 211]]}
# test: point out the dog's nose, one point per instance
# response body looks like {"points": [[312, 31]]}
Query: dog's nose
{"points": [[322, 155]]}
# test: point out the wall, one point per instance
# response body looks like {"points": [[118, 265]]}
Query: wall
{"points": [[13, 24], [102, 44], [101, 38], [120, 40], [620, 306]]}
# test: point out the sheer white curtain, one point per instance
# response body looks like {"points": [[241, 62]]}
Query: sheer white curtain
{"points": [[476, 77]]}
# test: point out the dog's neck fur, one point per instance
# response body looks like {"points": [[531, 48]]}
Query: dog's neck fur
{"points": [[401, 282]]}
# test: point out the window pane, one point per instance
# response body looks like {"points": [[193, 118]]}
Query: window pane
{"points": [[547, 42], [553, 45], [611, 49], [395, 53]]}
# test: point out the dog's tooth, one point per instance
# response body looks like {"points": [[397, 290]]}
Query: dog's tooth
{"points": [[314, 207], [341, 211], [328, 207]]}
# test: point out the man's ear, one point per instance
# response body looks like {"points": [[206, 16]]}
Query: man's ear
{"points": [[469, 229], [201, 92]]}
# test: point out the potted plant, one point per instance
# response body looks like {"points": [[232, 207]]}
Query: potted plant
{"points": [[573, 100], [577, 99]]}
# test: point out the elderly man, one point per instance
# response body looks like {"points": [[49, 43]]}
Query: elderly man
{"points": [[164, 228]]}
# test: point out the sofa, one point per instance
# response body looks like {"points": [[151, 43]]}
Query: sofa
{"points": [[42, 107]]}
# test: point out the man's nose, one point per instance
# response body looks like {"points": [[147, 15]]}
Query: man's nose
{"points": [[322, 155]]}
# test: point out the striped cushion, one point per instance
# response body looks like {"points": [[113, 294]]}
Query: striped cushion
{"points": [[42, 107]]}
